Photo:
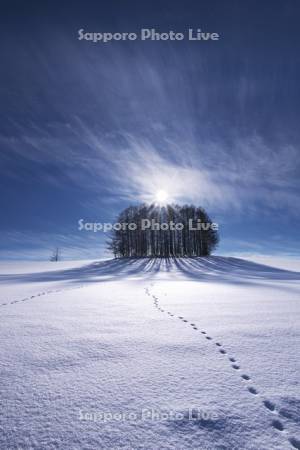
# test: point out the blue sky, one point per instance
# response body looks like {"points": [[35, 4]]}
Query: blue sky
{"points": [[87, 129]]}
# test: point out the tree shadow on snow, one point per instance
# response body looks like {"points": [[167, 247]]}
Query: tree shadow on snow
{"points": [[205, 269]]}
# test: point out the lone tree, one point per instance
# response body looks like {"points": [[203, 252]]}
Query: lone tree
{"points": [[169, 231], [55, 255]]}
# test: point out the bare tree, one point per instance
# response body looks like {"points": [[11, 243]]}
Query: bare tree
{"points": [[55, 255]]}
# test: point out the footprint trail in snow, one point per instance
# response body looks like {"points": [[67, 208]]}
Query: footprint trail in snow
{"points": [[270, 406]]}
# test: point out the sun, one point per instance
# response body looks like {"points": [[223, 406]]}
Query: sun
{"points": [[161, 196]]}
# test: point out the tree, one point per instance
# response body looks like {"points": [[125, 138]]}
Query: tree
{"points": [[55, 255], [175, 230]]}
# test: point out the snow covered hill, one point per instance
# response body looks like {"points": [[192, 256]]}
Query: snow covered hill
{"points": [[198, 353]]}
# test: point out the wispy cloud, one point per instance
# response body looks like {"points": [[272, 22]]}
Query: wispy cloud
{"points": [[127, 166], [119, 124], [40, 245]]}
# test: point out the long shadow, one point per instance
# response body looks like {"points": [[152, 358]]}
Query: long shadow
{"points": [[231, 271], [205, 269], [217, 266], [100, 271]]}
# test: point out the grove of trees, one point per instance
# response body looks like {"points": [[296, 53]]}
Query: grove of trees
{"points": [[175, 231]]}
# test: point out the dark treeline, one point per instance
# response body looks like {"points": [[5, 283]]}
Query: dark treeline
{"points": [[170, 231]]}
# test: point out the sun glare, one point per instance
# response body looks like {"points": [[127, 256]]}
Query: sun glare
{"points": [[161, 196]]}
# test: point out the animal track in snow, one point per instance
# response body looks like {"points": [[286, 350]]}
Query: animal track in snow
{"points": [[277, 424], [269, 405], [252, 390], [246, 377], [39, 295], [295, 443]]}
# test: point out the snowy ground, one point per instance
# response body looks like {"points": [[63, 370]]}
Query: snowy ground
{"points": [[116, 354]]}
